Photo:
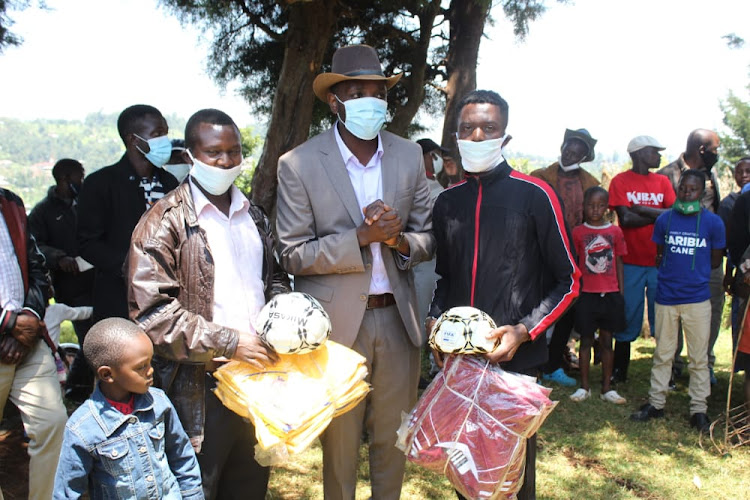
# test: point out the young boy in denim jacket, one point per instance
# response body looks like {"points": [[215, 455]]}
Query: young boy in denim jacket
{"points": [[126, 440]]}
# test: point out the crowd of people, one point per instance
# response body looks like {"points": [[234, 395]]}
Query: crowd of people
{"points": [[387, 235]]}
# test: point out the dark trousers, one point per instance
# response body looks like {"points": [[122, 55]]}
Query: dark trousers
{"points": [[228, 467], [528, 489], [559, 341], [621, 359]]}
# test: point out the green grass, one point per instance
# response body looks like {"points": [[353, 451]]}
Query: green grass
{"points": [[591, 450]]}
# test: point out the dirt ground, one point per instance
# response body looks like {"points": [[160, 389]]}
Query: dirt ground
{"points": [[14, 460]]}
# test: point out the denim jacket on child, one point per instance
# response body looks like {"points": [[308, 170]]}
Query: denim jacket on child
{"points": [[145, 455]]}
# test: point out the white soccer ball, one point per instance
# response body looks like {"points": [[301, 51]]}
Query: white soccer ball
{"points": [[463, 330], [293, 323]]}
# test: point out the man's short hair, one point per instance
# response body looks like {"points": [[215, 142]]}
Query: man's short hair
{"points": [[128, 119], [107, 340], [210, 116], [64, 167], [485, 97], [700, 176]]}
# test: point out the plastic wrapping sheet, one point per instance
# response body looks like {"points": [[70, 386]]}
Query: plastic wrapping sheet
{"points": [[471, 424], [292, 402]]}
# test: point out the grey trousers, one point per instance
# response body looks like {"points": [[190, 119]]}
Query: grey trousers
{"points": [[393, 372]]}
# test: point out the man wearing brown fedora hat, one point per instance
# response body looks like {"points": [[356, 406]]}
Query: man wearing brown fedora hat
{"points": [[570, 181], [353, 219]]}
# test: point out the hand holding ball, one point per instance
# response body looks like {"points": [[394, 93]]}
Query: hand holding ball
{"points": [[463, 330], [293, 323]]}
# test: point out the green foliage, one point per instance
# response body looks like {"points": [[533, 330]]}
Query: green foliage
{"points": [[736, 144], [252, 143], [29, 149], [94, 141], [7, 38], [249, 44]]}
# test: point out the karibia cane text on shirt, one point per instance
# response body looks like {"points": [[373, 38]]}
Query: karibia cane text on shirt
{"points": [[685, 244]]}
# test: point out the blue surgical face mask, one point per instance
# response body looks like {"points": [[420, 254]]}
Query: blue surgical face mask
{"points": [[215, 180], [365, 116], [437, 163], [179, 170], [160, 149]]}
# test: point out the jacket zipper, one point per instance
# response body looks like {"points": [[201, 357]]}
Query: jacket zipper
{"points": [[476, 242]]}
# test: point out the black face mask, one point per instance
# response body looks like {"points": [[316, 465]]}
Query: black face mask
{"points": [[709, 159]]}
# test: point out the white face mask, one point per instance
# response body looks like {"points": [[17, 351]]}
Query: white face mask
{"points": [[179, 170], [568, 168], [215, 180], [437, 163], [481, 156]]}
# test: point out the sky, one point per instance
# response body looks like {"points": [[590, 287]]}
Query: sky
{"points": [[618, 68]]}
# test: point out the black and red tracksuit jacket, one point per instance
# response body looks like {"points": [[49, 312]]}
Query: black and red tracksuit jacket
{"points": [[503, 247]]}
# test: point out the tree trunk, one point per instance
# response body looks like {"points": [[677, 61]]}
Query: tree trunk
{"points": [[467, 19], [311, 26], [415, 83]]}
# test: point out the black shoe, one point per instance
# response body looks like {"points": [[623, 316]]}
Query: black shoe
{"points": [[646, 412], [700, 422], [672, 385]]}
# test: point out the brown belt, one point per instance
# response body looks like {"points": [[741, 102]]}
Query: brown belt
{"points": [[378, 301]]}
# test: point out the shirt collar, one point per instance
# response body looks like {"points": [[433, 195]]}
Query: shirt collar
{"points": [[108, 418], [239, 201], [348, 156]]}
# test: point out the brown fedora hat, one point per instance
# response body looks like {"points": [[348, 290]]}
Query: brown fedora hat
{"points": [[353, 62]]}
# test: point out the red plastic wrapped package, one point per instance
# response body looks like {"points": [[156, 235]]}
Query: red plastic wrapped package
{"points": [[471, 424]]}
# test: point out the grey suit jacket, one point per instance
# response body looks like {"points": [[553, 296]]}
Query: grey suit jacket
{"points": [[317, 219]]}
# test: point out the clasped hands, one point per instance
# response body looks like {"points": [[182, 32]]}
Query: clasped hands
{"points": [[382, 224], [16, 345]]}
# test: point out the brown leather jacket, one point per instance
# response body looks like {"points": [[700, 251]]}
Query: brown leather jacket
{"points": [[170, 295]]}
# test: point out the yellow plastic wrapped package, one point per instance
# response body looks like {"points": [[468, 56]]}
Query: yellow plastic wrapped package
{"points": [[292, 402]]}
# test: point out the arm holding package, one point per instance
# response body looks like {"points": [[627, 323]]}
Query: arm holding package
{"points": [[558, 261], [302, 250], [153, 287]]}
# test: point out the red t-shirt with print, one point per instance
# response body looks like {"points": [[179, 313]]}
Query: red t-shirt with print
{"points": [[598, 248], [628, 189]]}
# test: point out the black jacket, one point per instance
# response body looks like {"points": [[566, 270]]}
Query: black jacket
{"points": [[53, 224], [109, 207], [503, 247], [30, 260]]}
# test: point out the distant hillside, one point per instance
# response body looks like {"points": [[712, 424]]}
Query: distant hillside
{"points": [[28, 149]]}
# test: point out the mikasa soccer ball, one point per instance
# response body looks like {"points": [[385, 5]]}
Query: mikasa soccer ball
{"points": [[293, 323], [463, 330]]}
